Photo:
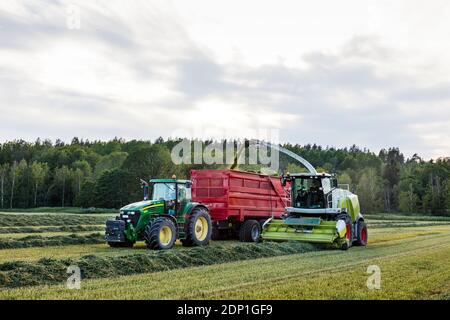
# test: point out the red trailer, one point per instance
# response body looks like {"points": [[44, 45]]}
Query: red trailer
{"points": [[239, 202]]}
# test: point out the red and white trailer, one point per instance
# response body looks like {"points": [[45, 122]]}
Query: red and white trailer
{"points": [[239, 202]]}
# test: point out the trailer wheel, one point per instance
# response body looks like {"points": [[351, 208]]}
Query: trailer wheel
{"points": [[198, 228], [361, 236], [160, 234], [250, 231]]}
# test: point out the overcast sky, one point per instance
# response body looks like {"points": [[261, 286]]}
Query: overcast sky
{"points": [[371, 73]]}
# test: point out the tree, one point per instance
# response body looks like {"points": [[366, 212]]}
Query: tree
{"points": [[61, 176], [368, 190], [38, 172], [149, 161], [115, 188], [393, 160], [435, 200], [86, 197], [110, 162], [82, 171], [4, 169], [13, 183], [408, 201]]}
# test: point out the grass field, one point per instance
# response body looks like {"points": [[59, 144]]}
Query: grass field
{"points": [[412, 254]]}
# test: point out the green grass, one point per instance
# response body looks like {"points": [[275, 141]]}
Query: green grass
{"points": [[45, 229], [412, 268], [27, 220], [412, 251], [43, 235], [14, 274], [56, 240], [396, 216]]}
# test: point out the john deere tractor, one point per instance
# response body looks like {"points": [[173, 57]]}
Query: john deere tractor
{"points": [[320, 212], [169, 214]]}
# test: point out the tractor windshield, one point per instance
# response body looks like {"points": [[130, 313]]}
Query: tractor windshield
{"points": [[164, 191], [309, 192]]}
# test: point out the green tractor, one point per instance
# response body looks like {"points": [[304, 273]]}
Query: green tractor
{"points": [[168, 215], [320, 212]]}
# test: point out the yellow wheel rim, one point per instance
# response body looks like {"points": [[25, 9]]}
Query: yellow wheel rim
{"points": [[201, 228], [165, 235]]}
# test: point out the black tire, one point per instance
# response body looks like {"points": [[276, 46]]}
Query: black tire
{"points": [[192, 239], [361, 234], [152, 234], [346, 243], [250, 231]]}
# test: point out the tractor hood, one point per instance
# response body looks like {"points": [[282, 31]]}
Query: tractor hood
{"points": [[140, 205]]}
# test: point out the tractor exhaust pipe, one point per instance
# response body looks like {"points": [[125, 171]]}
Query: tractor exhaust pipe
{"points": [[144, 185]]}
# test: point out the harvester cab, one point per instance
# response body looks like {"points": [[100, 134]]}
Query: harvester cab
{"points": [[165, 215], [320, 212]]}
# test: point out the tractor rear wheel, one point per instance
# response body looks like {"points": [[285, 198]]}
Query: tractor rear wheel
{"points": [[160, 234], [250, 231], [361, 235], [198, 228]]}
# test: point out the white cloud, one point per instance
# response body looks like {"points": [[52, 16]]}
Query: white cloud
{"points": [[372, 73]]}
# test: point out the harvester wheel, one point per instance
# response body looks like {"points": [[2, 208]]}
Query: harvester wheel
{"points": [[361, 235], [198, 228], [346, 242], [250, 231], [160, 234]]}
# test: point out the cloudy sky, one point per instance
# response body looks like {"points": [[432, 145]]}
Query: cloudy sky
{"points": [[371, 73]]}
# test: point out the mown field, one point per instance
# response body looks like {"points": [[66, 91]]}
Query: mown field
{"points": [[412, 252]]}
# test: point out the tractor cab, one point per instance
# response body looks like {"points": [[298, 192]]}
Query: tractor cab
{"points": [[175, 193]]}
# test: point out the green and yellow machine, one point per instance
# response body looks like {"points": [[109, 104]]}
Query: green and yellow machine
{"points": [[320, 212], [169, 214]]}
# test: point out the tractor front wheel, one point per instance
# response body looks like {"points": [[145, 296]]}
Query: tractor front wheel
{"points": [[198, 228], [160, 234]]}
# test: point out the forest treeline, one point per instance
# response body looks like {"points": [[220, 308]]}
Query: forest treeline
{"points": [[105, 174]]}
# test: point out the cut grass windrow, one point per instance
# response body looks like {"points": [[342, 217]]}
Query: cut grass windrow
{"points": [[52, 271], [28, 220], [44, 229], [39, 241]]}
